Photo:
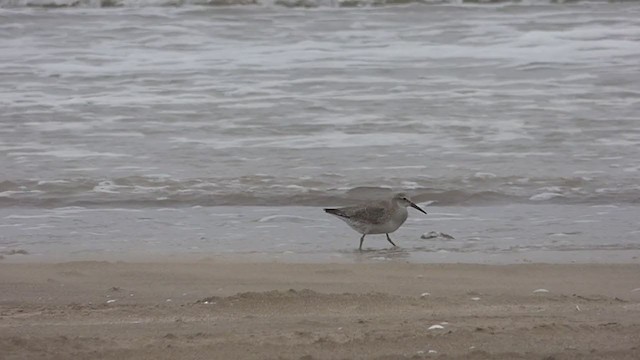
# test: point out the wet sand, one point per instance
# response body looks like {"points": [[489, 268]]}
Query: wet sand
{"points": [[222, 309]]}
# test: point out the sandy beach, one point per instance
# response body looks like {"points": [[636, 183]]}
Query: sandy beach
{"points": [[165, 165], [222, 309]]}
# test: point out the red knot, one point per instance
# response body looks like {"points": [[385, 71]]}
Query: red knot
{"points": [[380, 217]]}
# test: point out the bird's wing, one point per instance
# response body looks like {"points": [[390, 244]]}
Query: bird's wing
{"points": [[370, 214]]}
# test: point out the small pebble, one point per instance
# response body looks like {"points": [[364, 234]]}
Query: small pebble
{"points": [[541, 291], [436, 327]]}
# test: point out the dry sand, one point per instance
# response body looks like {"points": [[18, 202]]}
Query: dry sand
{"points": [[250, 310]]}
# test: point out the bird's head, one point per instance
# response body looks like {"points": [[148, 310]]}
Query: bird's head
{"points": [[403, 200]]}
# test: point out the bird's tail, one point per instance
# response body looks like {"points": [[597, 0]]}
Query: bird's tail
{"points": [[336, 212]]}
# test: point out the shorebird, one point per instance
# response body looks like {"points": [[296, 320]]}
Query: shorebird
{"points": [[380, 217]]}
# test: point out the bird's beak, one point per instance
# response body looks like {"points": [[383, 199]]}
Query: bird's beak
{"points": [[417, 208]]}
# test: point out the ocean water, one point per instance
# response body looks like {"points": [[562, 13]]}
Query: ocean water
{"points": [[203, 128]]}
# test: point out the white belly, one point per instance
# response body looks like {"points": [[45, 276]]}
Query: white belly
{"points": [[392, 224]]}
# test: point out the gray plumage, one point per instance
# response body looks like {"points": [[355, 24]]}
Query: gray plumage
{"points": [[379, 217]]}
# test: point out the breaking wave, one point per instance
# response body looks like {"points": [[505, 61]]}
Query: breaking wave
{"points": [[262, 190]]}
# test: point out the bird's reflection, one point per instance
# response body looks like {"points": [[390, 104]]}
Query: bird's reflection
{"points": [[394, 253]]}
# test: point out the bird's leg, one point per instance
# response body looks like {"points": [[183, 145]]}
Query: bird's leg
{"points": [[388, 238], [361, 240]]}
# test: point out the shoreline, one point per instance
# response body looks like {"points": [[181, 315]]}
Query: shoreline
{"points": [[503, 234], [215, 308], [343, 256]]}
